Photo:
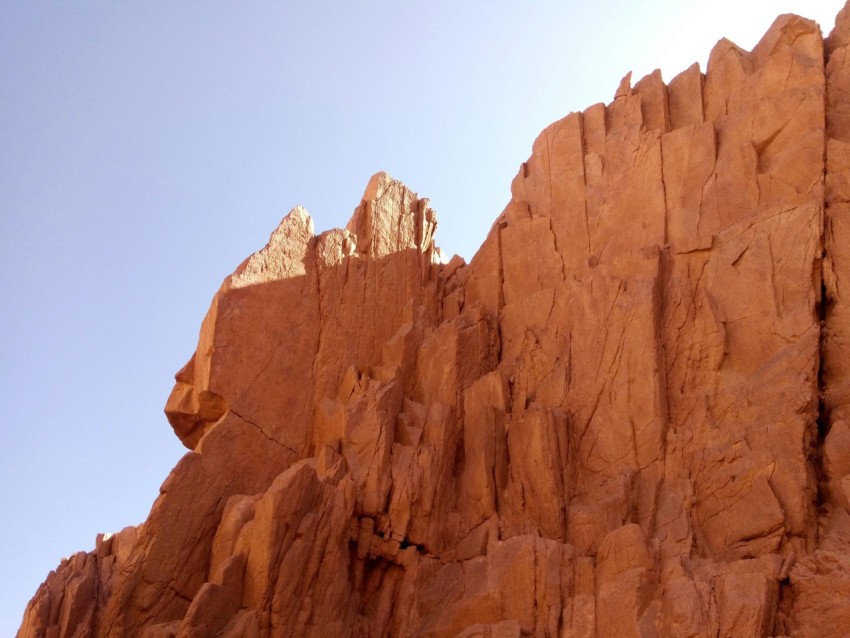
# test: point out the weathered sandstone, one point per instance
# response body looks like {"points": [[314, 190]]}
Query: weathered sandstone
{"points": [[628, 415]]}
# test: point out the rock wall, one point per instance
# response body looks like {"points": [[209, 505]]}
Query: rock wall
{"points": [[628, 415]]}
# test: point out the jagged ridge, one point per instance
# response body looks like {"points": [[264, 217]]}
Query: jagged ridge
{"points": [[627, 416]]}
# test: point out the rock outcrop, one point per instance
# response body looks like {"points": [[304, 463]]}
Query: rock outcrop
{"points": [[628, 415]]}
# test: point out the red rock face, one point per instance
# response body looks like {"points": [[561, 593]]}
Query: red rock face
{"points": [[629, 415]]}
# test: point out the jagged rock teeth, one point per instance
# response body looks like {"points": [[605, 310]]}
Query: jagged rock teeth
{"points": [[626, 416]]}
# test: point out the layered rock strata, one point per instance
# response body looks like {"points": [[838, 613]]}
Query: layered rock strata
{"points": [[628, 415]]}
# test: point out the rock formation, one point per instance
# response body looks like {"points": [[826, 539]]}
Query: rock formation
{"points": [[628, 415]]}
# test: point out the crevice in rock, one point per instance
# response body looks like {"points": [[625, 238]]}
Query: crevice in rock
{"points": [[178, 593], [821, 312], [262, 431], [405, 543], [784, 608], [823, 408], [822, 309]]}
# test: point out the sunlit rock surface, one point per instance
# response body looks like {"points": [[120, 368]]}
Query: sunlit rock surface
{"points": [[628, 415]]}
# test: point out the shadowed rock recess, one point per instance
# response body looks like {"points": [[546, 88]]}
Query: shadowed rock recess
{"points": [[628, 415]]}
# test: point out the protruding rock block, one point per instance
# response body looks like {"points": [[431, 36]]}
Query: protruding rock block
{"points": [[626, 416]]}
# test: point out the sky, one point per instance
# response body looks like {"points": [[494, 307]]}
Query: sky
{"points": [[147, 148]]}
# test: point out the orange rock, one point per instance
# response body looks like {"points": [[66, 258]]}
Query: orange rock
{"points": [[626, 416]]}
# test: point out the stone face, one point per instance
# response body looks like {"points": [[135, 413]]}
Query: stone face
{"points": [[626, 416]]}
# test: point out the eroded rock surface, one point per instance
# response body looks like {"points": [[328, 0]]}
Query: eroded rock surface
{"points": [[628, 415]]}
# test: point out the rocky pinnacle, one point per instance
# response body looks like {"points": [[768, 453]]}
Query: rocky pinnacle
{"points": [[628, 415]]}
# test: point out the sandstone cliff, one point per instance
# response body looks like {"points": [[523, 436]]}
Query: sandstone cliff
{"points": [[628, 415]]}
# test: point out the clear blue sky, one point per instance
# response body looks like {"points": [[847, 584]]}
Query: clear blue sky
{"points": [[147, 148]]}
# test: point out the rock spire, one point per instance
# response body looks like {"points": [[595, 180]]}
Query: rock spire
{"points": [[626, 416]]}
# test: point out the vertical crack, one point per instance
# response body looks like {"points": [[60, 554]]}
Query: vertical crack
{"points": [[822, 307]]}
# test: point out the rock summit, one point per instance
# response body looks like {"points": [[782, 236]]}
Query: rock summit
{"points": [[628, 415]]}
